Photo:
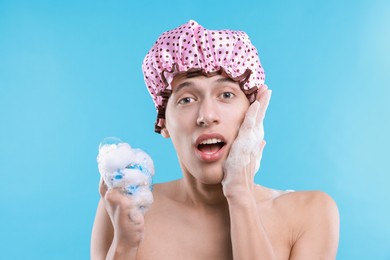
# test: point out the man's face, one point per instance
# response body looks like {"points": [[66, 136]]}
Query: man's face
{"points": [[203, 116]]}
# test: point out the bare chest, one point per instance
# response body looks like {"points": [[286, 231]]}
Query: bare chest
{"points": [[181, 236]]}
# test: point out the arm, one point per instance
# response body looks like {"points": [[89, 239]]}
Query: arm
{"points": [[102, 233], [248, 235], [315, 232], [319, 235], [118, 227]]}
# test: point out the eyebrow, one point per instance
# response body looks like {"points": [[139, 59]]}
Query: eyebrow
{"points": [[183, 85], [223, 80], [190, 84]]}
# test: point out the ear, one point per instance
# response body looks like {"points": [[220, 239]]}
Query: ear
{"points": [[165, 133]]}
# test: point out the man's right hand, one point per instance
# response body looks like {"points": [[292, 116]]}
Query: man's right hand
{"points": [[127, 219]]}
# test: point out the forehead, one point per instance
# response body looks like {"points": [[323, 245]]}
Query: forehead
{"points": [[197, 78]]}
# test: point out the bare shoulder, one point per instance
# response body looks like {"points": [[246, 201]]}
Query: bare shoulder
{"points": [[308, 204], [306, 208], [315, 223], [305, 199]]}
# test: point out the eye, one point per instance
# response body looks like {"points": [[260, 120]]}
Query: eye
{"points": [[227, 95], [186, 100]]}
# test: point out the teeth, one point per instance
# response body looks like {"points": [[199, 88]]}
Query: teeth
{"points": [[211, 141]]}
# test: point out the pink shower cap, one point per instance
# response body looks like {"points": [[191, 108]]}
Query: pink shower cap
{"points": [[191, 47]]}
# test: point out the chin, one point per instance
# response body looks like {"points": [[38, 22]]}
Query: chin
{"points": [[210, 176], [205, 173]]}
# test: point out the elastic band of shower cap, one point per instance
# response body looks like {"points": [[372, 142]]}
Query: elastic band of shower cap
{"points": [[190, 47]]}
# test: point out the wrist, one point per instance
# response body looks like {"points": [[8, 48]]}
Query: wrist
{"points": [[121, 250], [240, 189], [241, 200]]}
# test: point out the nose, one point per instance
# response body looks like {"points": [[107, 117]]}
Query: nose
{"points": [[208, 113]]}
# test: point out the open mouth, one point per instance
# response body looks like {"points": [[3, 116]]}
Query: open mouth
{"points": [[210, 146]]}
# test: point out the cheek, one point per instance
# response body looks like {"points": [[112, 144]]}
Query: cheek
{"points": [[178, 125], [175, 122], [179, 119], [170, 119], [240, 113]]}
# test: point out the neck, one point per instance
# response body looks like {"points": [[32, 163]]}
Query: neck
{"points": [[202, 195]]}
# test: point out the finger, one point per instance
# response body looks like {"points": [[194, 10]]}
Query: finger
{"points": [[117, 198], [249, 120], [102, 187], [264, 99], [259, 155], [258, 147], [242, 146], [263, 96], [239, 155], [144, 199], [136, 216], [261, 91], [264, 102], [259, 152], [113, 195], [258, 129]]}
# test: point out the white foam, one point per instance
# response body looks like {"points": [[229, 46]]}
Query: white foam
{"points": [[129, 169], [248, 142]]}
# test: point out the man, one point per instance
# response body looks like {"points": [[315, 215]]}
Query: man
{"points": [[208, 87]]}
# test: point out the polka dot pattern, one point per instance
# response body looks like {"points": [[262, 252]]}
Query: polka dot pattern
{"points": [[192, 47]]}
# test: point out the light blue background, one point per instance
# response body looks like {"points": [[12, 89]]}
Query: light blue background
{"points": [[70, 74]]}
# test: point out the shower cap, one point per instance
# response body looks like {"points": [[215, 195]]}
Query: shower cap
{"points": [[191, 47]]}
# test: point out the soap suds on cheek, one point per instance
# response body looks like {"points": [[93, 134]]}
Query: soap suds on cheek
{"points": [[248, 142], [237, 127]]}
